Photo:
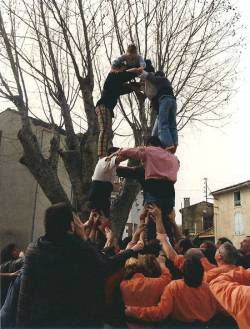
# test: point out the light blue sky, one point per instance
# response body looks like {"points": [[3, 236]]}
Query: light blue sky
{"points": [[221, 155]]}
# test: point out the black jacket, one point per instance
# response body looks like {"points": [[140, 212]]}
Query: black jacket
{"points": [[63, 283], [114, 86]]}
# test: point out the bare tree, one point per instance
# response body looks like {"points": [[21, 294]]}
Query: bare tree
{"points": [[61, 50]]}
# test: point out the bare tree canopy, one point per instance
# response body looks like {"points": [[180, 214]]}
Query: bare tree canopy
{"points": [[55, 56]]}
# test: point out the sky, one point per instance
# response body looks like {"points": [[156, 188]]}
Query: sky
{"points": [[222, 155]]}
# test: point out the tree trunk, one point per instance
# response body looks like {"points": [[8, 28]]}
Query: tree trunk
{"points": [[40, 168]]}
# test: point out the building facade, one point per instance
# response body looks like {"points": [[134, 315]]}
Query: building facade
{"points": [[22, 202], [134, 216], [196, 218], [232, 212]]}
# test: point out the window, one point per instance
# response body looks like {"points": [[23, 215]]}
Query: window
{"points": [[238, 224], [237, 201]]}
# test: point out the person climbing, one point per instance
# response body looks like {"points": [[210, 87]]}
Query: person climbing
{"points": [[102, 183], [161, 168], [159, 90], [131, 59], [114, 86]]}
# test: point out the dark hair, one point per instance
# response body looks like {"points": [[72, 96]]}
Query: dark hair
{"points": [[149, 66], [185, 244], [160, 74], [153, 247], [154, 141], [6, 253], [223, 240], [132, 49], [193, 271], [58, 220], [209, 251], [112, 150], [149, 266]]}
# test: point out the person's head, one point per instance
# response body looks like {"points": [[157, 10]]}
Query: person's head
{"points": [[183, 245], [193, 271], [132, 51], [9, 252], [130, 268], [208, 248], [222, 240], [160, 74], [245, 245], [149, 266], [193, 252], [154, 141], [112, 150], [226, 254], [58, 220], [149, 66], [153, 247]]}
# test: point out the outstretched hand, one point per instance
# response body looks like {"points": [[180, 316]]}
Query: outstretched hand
{"points": [[138, 246], [108, 158], [79, 227]]}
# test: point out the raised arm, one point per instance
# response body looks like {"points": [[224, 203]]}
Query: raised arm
{"points": [[161, 233], [153, 313], [137, 153], [233, 296]]}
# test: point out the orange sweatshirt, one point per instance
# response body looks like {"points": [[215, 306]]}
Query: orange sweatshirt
{"points": [[182, 303], [144, 291], [179, 261], [216, 271], [232, 291]]}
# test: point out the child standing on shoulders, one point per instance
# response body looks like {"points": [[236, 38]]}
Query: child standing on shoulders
{"points": [[130, 60], [102, 183]]}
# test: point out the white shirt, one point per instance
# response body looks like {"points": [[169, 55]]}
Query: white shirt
{"points": [[105, 171]]}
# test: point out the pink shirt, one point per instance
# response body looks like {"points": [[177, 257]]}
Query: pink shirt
{"points": [[158, 163]]}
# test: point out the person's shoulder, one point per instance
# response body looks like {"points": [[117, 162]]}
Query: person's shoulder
{"points": [[176, 284]]}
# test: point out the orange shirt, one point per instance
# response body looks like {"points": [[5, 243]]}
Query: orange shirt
{"points": [[233, 293], [216, 271], [182, 302], [144, 291], [179, 261]]}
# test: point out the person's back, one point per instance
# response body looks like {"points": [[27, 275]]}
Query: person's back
{"points": [[188, 299], [145, 286], [62, 281], [113, 88], [160, 164], [60, 285], [232, 290], [192, 304]]}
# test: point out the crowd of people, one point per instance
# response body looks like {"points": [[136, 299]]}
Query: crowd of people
{"points": [[79, 274]]}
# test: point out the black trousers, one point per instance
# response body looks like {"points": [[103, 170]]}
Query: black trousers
{"points": [[100, 195]]}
